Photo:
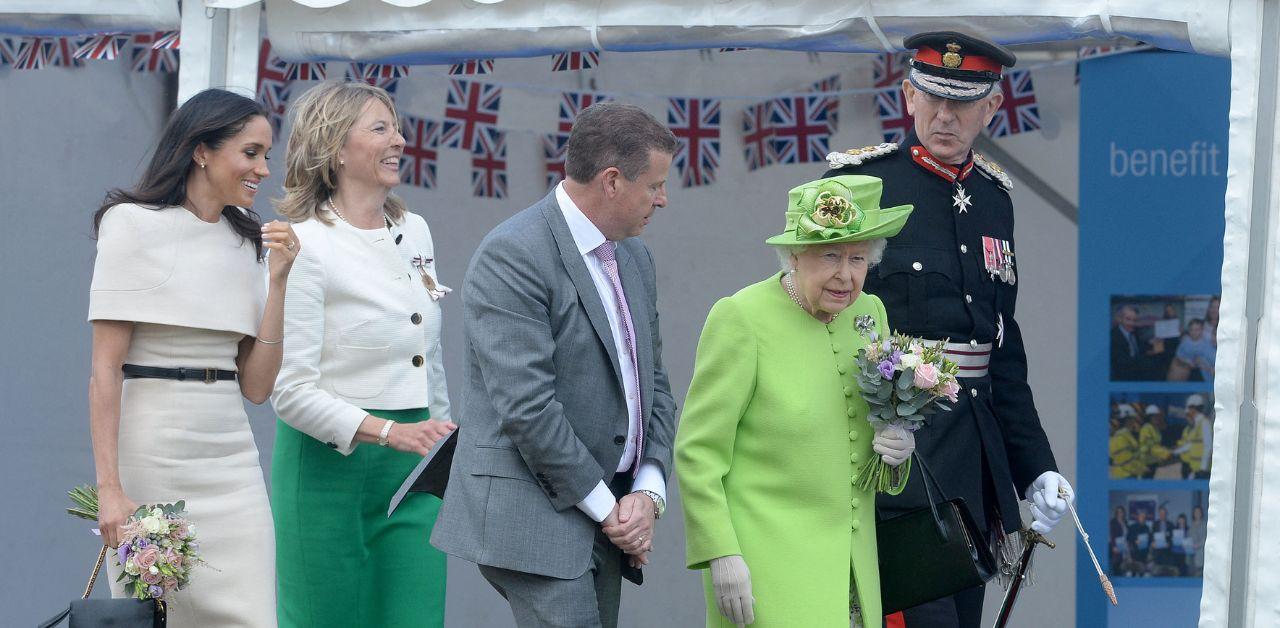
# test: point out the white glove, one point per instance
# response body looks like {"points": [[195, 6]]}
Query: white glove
{"points": [[731, 581], [894, 444], [1182, 449], [1047, 504]]}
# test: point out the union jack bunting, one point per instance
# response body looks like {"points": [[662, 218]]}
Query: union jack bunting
{"points": [[757, 135], [101, 47], [167, 40], [696, 125], [8, 50], [145, 56], [830, 84], [355, 72], [572, 104], [578, 60], [304, 71], [801, 129], [27, 53], [1093, 51], [553, 155], [472, 66], [471, 108], [489, 164], [421, 144], [1019, 112], [370, 72], [887, 73], [60, 53]]}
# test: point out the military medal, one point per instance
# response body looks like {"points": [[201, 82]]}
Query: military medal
{"points": [[961, 200], [434, 290], [997, 258]]}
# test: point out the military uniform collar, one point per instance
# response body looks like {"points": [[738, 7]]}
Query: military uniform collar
{"points": [[926, 160]]}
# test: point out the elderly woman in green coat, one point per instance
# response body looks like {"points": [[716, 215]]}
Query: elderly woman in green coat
{"points": [[774, 429]]}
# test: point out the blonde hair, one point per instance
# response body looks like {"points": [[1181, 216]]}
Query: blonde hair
{"points": [[322, 117]]}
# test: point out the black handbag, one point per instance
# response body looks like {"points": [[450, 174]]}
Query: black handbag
{"points": [[930, 553], [116, 613]]}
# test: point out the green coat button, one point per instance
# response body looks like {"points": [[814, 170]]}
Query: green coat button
{"points": [[855, 525], [840, 369], [835, 348], [848, 391], [853, 436], [851, 412], [853, 458], [855, 502]]}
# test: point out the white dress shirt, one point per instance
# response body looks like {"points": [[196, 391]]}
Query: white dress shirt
{"points": [[600, 501]]}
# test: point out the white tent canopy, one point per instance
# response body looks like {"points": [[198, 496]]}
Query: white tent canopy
{"points": [[1240, 590]]}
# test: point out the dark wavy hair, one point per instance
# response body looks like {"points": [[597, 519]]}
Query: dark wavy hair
{"points": [[211, 118]]}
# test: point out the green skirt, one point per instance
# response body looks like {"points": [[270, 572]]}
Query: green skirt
{"points": [[340, 561]]}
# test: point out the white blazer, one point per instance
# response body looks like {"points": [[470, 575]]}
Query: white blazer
{"points": [[360, 329]]}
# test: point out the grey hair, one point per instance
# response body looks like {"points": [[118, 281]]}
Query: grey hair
{"points": [[786, 251]]}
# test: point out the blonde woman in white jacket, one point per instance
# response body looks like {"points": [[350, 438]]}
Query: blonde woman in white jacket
{"points": [[361, 394]]}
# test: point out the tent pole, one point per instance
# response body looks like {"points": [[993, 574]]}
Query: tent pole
{"points": [[219, 49]]}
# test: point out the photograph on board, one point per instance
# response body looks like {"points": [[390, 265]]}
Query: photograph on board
{"points": [[1160, 436], [1164, 338], [1158, 534]]}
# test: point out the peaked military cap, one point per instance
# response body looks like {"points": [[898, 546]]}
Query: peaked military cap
{"points": [[956, 66]]}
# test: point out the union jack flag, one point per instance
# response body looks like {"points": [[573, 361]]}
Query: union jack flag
{"points": [[757, 135], [369, 72], [472, 66], [34, 53], [801, 129], [304, 71], [421, 144], [1019, 112], [101, 47], [572, 104], [887, 73], [273, 86], [578, 60], [471, 108], [146, 56], [58, 52], [489, 164], [553, 155], [167, 40], [696, 125], [830, 84], [355, 72]]}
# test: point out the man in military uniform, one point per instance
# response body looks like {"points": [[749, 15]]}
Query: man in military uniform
{"points": [[950, 276]]}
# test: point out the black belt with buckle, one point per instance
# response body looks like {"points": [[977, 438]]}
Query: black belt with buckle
{"points": [[208, 376]]}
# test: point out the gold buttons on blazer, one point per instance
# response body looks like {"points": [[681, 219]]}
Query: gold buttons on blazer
{"points": [[418, 360], [416, 319]]}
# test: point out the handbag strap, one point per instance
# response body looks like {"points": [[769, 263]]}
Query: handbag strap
{"points": [[93, 577], [927, 479]]}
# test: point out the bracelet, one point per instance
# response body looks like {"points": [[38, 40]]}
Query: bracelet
{"points": [[270, 342], [386, 431]]}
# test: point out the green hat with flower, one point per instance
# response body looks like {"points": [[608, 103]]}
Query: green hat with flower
{"points": [[839, 209]]}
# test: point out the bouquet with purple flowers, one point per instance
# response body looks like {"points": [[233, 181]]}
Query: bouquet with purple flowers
{"points": [[903, 379], [158, 547]]}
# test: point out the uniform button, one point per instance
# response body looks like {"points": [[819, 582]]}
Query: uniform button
{"points": [[618, 440], [417, 360], [918, 266], [973, 392], [968, 298], [848, 391], [855, 525], [973, 344], [851, 412], [416, 319], [964, 248], [853, 436], [855, 502]]}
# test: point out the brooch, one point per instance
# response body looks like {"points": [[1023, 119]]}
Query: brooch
{"points": [[865, 324], [435, 290]]}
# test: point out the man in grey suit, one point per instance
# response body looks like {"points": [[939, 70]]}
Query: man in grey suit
{"points": [[565, 443]]}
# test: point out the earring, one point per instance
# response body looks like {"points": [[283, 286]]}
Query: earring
{"points": [[341, 162], [202, 165]]}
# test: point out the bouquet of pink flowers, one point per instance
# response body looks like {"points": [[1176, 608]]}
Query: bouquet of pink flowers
{"points": [[158, 547], [903, 379]]}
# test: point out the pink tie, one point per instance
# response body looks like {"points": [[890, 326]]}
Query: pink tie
{"points": [[605, 253]]}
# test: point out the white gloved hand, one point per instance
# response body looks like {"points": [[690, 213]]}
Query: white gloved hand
{"points": [[894, 444], [731, 581], [1048, 506]]}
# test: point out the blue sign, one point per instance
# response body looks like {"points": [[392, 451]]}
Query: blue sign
{"points": [[1153, 163]]}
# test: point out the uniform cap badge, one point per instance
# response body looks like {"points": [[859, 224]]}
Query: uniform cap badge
{"points": [[951, 58]]}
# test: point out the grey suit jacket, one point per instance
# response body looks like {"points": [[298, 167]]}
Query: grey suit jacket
{"points": [[544, 413]]}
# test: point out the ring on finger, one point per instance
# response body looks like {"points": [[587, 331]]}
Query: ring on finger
{"points": [[289, 245]]}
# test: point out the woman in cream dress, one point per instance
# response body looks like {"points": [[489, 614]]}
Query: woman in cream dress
{"points": [[186, 326]]}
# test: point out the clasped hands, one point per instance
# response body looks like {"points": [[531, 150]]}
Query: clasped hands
{"points": [[630, 526]]}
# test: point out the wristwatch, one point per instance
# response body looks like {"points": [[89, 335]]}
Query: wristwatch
{"points": [[660, 505]]}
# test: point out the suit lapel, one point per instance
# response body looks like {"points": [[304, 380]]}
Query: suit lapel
{"points": [[581, 277], [638, 303]]}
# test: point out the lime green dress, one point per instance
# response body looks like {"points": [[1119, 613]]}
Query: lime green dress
{"points": [[772, 434], [341, 561]]}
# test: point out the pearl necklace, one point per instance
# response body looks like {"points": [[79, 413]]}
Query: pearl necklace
{"points": [[333, 207], [789, 284]]}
